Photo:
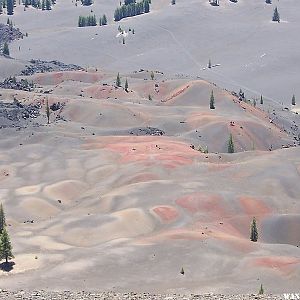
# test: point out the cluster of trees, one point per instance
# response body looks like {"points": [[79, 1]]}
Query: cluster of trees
{"points": [[86, 2], [40, 4], [132, 8], [91, 21], [5, 244], [9, 5]]}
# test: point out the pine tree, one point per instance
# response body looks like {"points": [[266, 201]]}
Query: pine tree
{"points": [[2, 218], [254, 102], [126, 85], [269, 1], [123, 41], [209, 64], [293, 100], [48, 4], [48, 112], [118, 81], [261, 290], [173, 2], [5, 246], [230, 144], [212, 100], [261, 100], [276, 16], [253, 231], [104, 20], [10, 7], [149, 97], [152, 75], [5, 49]]}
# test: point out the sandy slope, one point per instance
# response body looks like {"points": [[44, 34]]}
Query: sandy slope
{"points": [[113, 210]]}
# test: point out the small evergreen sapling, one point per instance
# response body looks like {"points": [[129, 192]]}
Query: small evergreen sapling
{"points": [[253, 231], [230, 144], [212, 101]]}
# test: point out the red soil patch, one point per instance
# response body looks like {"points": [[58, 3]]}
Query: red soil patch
{"points": [[199, 119], [175, 94], [54, 78], [103, 92], [167, 214], [283, 264], [205, 203], [254, 206], [148, 150]]}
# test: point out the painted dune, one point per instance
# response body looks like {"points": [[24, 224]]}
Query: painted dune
{"points": [[94, 200]]}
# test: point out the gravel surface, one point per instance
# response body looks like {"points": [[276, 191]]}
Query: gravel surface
{"points": [[68, 295]]}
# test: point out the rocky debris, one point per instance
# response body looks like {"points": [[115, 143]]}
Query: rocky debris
{"points": [[146, 131], [16, 114], [72, 295], [13, 83], [42, 66], [8, 33]]}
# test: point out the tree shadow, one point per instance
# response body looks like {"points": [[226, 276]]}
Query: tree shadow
{"points": [[7, 267]]}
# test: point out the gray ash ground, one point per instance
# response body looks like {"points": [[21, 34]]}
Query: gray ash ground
{"points": [[41, 66], [15, 114], [68, 295], [9, 33]]}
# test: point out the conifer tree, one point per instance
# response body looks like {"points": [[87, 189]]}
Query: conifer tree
{"points": [[48, 4], [293, 100], [118, 81], [1, 7], [261, 290], [152, 75], [276, 16], [149, 97], [2, 218], [126, 85], [209, 64], [5, 49], [269, 1], [48, 112], [10, 7], [212, 100], [104, 20], [5, 246], [173, 2], [261, 100], [253, 231], [230, 144]]}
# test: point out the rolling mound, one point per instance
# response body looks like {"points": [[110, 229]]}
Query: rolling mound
{"points": [[114, 191]]}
